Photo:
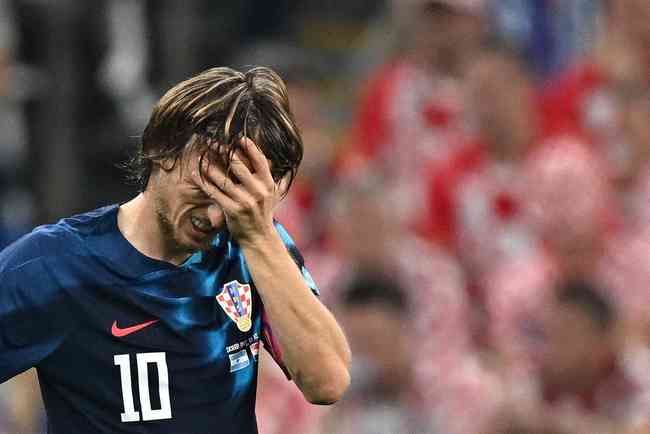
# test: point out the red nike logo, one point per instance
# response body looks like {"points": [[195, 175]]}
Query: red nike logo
{"points": [[120, 333]]}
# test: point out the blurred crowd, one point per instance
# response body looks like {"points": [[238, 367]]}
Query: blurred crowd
{"points": [[474, 201]]}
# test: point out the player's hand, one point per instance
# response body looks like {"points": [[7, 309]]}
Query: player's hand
{"points": [[249, 204]]}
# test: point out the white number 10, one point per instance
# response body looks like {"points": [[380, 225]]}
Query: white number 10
{"points": [[143, 360]]}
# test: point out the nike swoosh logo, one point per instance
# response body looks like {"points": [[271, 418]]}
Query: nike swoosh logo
{"points": [[120, 333]]}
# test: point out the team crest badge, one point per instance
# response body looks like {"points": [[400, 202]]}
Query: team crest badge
{"points": [[236, 300]]}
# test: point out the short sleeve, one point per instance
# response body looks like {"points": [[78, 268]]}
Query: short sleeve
{"points": [[270, 342], [33, 318], [297, 258]]}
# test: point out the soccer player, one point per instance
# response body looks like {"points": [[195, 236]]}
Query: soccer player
{"points": [[147, 317]]}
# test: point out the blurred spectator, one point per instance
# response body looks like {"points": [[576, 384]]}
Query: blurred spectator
{"points": [[411, 107], [584, 99], [479, 201], [479, 196], [575, 211], [477, 193], [583, 384], [566, 207], [451, 386], [361, 235], [580, 348], [633, 182], [571, 204], [375, 314]]}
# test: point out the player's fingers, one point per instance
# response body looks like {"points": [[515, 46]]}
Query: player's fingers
{"points": [[223, 201], [258, 160], [260, 190], [231, 206], [215, 180], [243, 173]]}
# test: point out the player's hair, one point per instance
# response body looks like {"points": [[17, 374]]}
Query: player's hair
{"points": [[211, 112], [590, 300]]}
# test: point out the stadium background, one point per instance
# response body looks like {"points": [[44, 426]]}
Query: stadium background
{"points": [[466, 161]]}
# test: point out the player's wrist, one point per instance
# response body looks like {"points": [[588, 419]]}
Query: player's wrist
{"points": [[265, 237]]}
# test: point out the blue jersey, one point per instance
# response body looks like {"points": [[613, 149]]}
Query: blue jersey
{"points": [[124, 343]]}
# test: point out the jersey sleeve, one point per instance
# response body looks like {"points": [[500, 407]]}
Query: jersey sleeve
{"points": [[297, 258], [33, 317], [270, 342]]}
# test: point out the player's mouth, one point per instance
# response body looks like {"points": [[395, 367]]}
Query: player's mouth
{"points": [[201, 225]]}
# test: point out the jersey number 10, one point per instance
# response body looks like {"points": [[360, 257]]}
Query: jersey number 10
{"points": [[143, 362]]}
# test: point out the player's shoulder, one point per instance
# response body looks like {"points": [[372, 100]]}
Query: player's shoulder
{"points": [[65, 238]]}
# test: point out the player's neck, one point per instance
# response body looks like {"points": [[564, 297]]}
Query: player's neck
{"points": [[134, 220]]}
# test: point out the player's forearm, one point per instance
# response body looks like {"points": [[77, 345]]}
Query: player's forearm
{"points": [[313, 345]]}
